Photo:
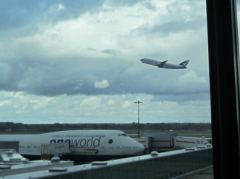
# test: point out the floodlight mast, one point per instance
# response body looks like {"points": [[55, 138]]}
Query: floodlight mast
{"points": [[138, 102]]}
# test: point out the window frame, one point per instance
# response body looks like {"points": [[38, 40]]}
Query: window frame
{"points": [[224, 86]]}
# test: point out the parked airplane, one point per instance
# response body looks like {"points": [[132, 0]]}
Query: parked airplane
{"points": [[82, 142], [164, 64]]}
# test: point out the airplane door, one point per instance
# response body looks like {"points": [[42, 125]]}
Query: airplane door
{"points": [[103, 145]]}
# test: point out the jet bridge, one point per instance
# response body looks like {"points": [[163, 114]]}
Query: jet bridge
{"points": [[9, 145]]}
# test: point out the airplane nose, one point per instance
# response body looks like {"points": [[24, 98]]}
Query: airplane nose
{"points": [[141, 148]]}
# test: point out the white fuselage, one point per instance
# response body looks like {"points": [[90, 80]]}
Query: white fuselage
{"points": [[82, 142], [172, 66], [162, 64]]}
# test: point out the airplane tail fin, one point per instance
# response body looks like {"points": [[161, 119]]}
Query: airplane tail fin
{"points": [[184, 63]]}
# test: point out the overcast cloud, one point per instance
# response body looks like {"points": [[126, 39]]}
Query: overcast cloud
{"points": [[82, 57]]}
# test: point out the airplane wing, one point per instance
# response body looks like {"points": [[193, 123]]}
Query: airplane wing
{"points": [[161, 64], [153, 62]]}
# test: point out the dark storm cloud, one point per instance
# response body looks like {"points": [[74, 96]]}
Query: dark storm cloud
{"points": [[183, 96], [44, 77], [47, 77], [29, 67], [78, 76], [170, 27], [181, 16], [174, 26]]}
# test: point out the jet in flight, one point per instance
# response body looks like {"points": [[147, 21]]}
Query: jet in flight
{"points": [[164, 64]]}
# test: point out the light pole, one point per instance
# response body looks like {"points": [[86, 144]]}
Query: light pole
{"points": [[138, 102]]}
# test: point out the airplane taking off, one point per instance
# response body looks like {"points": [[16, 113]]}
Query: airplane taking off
{"points": [[82, 143], [164, 64]]}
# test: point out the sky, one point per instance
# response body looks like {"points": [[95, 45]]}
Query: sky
{"points": [[78, 61]]}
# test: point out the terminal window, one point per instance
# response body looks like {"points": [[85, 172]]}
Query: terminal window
{"points": [[136, 66]]}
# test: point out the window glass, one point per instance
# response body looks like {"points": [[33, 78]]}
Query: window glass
{"points": [[136, 66]]}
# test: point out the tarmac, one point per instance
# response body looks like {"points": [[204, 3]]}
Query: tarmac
{"points": [[205, 173]]}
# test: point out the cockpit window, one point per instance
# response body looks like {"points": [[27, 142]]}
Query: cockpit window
{"points": [[123, 134], [110, 141]]}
